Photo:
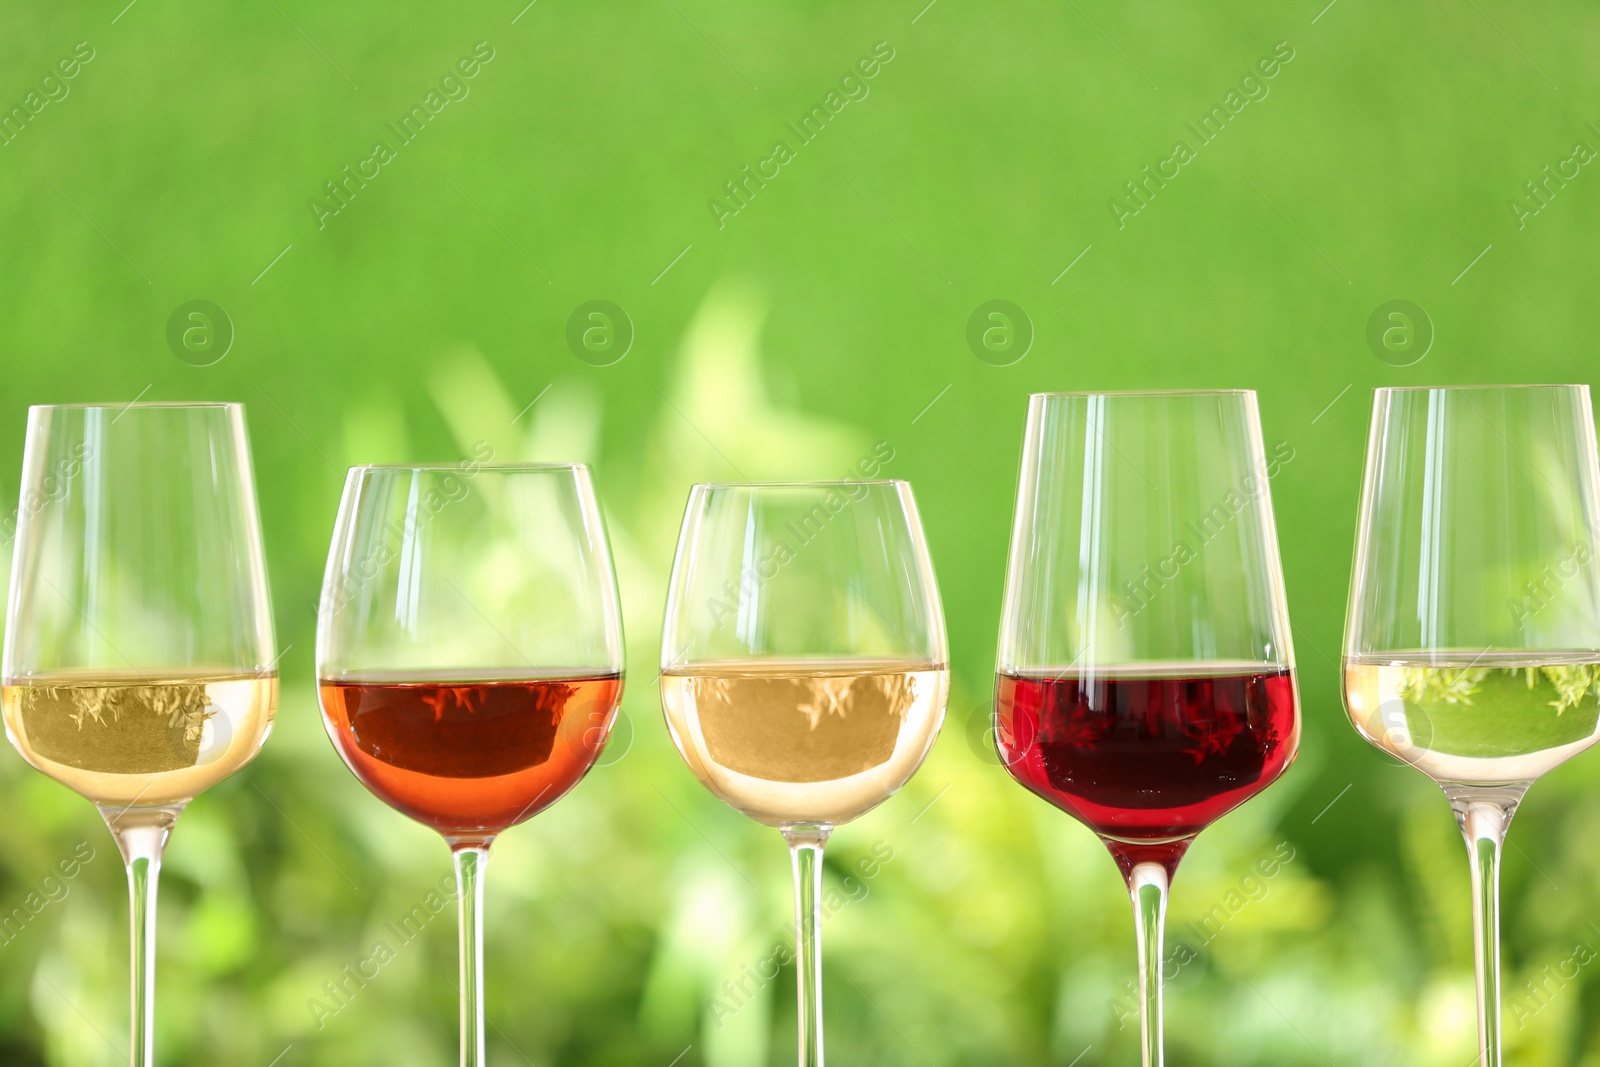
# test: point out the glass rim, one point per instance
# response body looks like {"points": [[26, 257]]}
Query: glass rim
{"points": [[1150, 393], [457, 466], [197, 404], [1485, 388], [817, 483]]}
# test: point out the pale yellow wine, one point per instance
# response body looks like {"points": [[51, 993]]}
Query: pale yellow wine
{"points": [[805, 741], [140, 739], [1489, 719]]}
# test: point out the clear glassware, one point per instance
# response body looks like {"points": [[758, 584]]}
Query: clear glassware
{"points": [[469, 656], [1145, 681], [804, 671], [1472, 639], [139, 657]]}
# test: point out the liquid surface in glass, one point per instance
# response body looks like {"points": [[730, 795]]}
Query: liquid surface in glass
{"points": [[149, 738], [792, 742], [1149, 753], [470, 756], [1476, 717]]}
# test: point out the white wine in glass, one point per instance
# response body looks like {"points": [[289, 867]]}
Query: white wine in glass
{"points": [[1472, 639], [138, 664], [803, 668], [127, 739], [1485, 719]]}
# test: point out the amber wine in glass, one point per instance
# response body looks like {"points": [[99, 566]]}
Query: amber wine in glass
{"points": [[803, 667], [813, 741]]}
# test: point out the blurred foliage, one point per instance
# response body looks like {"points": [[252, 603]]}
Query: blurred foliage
{"points": [[829, 313]]}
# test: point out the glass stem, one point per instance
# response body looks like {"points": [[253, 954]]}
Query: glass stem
{"points": [[141, 835], [470, 863], [1484, 816], [805, 851], [1148, 883]]}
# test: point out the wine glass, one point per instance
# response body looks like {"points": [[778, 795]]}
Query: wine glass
{"points": [[1146, 679], [469, 656], [1472, 640], [804, 668], [138, 666]]}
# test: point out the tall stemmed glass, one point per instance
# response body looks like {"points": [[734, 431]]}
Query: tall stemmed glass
{"points": [[1472, 641], [138, 665], [469, 656], [803, 668], [1146, 679]]}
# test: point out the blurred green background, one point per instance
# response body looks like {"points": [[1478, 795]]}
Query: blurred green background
{"points": [[829, 312]]}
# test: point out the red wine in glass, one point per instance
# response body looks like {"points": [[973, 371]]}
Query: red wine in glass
{"points": [[1148, 756], [1143, 555]]}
